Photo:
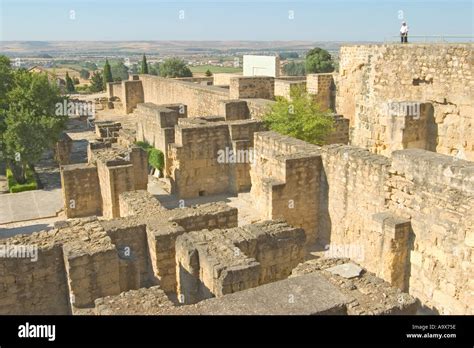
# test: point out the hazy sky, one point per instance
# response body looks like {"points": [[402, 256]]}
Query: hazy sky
{"points": [[314, 20]]}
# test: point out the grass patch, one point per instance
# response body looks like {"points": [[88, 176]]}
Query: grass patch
{"points": [[15, 187], [214, 69]]}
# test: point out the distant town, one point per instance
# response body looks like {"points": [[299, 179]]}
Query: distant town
{"points": [[80, 59]]}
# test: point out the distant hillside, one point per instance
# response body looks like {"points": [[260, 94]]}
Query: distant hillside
{"points": [[28, 48]]}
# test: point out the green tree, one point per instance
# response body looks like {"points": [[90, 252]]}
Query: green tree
{"points": [[154, 68], [134, 69], [84, 74], [174, 67], [6, 80], [107, 75], [32, 125], [119, 71], [318, 60], [97, 82], [144, 67], [287, 55], [69, 84], [294, 69], [90, 66], [208, 73], [300, 118]]}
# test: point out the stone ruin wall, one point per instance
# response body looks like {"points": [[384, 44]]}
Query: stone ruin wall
{"points": [[437, 193], [201, 100], [81, 260], [223, 79], [322, 87], [252, 87], [115, 177], [219, 262], [353, 217], [62, 149], [81, 190], [195, 169], [285, 181], [156, 125], [433, 261], [115, 89], [129, 92], [283, 87], [431, 258], [93, 188], [408, 219], [441, 75], [164, 226]]}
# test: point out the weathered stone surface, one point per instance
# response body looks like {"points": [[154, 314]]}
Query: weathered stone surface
{"points": [[145, 301], [218, 262], [372, 86], [347, 270], [304, 295], [369, 294]]}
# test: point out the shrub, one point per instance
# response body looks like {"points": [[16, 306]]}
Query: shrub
{"points": [[156, 158], [300, 117], [15, 187]]}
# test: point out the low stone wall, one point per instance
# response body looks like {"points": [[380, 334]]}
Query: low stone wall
{"points": [[81, 190], [252, 87], [62, 150], [201, 100], [94, 188], [41, 285], [81, 260], [369, 295], [155, 125], [406, 219], [223, 79], [340, 133], [258, 107], [285, 181], [164, 226], [218, 262], [322, 87], [107, 130], [283, 87], [76, 263], [130, 93], [234, 110], [211, 156]]}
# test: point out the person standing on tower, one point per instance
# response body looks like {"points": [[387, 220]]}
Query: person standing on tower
{"points": [[404, 33]]}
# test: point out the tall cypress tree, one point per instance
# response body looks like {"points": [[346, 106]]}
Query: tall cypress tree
{"points": [[144, 69], [69, 84], [107, 73]]}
